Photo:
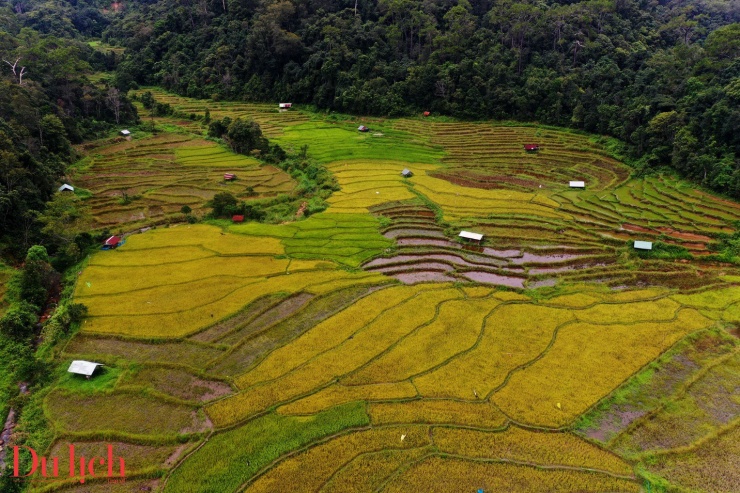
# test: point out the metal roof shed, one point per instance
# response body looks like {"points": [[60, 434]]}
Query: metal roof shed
{"points": [[82, 367], [407, 173], [643, 245], [577, 184], [125, 132], [66, 188], [113, 241], [471, 236]]}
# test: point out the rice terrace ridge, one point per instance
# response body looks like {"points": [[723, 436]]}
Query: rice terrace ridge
{"points": [[487, 247]]}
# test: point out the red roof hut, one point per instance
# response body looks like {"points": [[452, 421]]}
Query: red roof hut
{"points": [[531, 147], [237, 219], [112, 242], [426, 113], [229, 176]]}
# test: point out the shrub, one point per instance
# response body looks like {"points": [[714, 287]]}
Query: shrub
{"points": [[19, 320]]}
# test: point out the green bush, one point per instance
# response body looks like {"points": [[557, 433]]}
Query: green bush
{"points": [[19, 321]]}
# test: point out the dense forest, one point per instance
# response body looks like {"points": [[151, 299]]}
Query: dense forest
{"points": [[664, 77], [47, 103]]}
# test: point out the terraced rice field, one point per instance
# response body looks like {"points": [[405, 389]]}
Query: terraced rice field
{"points": [[270, 119], [366, 348], [146, 181]]}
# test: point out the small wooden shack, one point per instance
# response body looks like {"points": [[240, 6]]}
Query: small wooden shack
{"points": [[112, 242], [471, 236], [285, 106], [125, 133], [237, 218], [406, 173], [577, 184], [66, 188], [363, 128], [531, 147], [82, 367], [643, 245], [426, 113], [229, 177]]}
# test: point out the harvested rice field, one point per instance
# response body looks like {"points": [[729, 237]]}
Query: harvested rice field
{"points": [[145, 182], [368, 348]]}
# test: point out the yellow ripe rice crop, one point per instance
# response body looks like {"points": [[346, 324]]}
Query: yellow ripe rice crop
{"points": [[108, 281], [574, 300], [341, 394], [124, 257], [368, 198], [534, 447], [635, 294], [437, 411], [367, 472], [477, 291], [718, 298], [730, 314], [180, 310], [357, 280], [546, 201], [514, 335], [452, 475], [371, 185], [455, 329], [661, 309], [510, 296], [600, 358], [365, 345], [205, 236], [370, 168], [163, 299], [309, 470], [328, 334], [458, 201]]}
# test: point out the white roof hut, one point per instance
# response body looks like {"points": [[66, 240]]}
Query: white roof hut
{"points": [[577, 184], [471, 236], [406, 173], [81, 367], [285, 106], [643, 245], [125, 133], [66, 188]]}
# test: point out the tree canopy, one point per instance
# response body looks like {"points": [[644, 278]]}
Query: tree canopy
{"points": [[660, 76]]}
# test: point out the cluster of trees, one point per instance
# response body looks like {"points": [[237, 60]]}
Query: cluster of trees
{"points": [[315, 182], [661, 76], [244, 136], [47, 104]]}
